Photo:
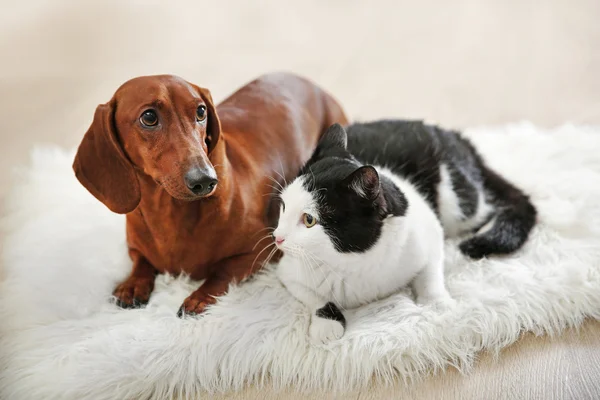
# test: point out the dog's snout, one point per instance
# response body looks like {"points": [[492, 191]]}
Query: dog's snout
{"points": [[200, 182]]}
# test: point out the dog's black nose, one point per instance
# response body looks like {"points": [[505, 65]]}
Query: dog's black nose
{"points": [[199, 182]]}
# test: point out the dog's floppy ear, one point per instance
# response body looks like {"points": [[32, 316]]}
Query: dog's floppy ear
{"points": [[213, 130], [102, 167]]}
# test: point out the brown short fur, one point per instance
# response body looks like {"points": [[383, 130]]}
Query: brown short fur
{"points": [[255, 139]]}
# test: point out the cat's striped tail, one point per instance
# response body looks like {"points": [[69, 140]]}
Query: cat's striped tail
{"points": [[509, 229]]}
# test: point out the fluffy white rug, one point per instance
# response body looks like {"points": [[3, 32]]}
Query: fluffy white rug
{"points": [[64, 253]]}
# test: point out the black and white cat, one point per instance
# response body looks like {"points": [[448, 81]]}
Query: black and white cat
{"points": [[368, 214]]}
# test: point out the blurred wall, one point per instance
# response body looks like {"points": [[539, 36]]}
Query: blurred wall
{"points": [[460, 63]]}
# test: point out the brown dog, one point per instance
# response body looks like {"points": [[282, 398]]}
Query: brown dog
{"points": [[196, 182]]}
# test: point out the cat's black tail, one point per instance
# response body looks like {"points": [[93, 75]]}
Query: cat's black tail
{"points": [[515, 217]]}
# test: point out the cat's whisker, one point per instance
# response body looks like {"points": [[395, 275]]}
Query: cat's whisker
{"points": [[261, 239], [307, 262], [275, 181], [282, 170], [311, 271], [282, 177], [322, 263], [263, 229], [298, 278], [259, 253], [342, 279], [313, 175], [276, 189], [270, 256], [275, 195], [337, 301]]}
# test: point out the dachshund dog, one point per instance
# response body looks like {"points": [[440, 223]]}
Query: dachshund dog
{"points": [[198, 183]]}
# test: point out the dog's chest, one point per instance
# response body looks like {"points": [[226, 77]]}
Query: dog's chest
{"points": [[192, 242]]}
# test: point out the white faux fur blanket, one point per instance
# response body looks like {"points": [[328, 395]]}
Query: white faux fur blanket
{"points": [[64, 253]]}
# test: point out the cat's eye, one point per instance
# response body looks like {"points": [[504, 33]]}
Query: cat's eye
{"points": [[309, 220], [201, 113], [149, 118]]}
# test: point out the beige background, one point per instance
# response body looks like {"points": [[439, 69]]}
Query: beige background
{"points": [[460, 63]]}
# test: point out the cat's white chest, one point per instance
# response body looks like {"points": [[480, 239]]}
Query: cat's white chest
{"points": [[383, 270], [357, 278]]}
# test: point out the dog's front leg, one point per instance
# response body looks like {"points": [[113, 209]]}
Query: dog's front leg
{"points": [[234, 269], [135, 291]]}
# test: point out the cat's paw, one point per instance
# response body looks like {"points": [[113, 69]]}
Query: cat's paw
{"points": [[477, 247], [323, 330]]}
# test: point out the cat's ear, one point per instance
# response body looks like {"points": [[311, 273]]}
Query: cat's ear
{"points": [[364, 182], [334, 137]]}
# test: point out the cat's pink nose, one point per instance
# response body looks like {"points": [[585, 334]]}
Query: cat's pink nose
{"points": [[279, 240]]}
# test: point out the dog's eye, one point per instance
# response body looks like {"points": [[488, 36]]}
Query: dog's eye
{"points": [[149, 118], [201, 113]]}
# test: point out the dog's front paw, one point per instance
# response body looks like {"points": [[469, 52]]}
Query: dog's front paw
{"points": [[195, 304], [323, 330], [134, 292]]}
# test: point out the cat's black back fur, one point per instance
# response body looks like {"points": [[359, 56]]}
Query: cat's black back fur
{"points": [[414, 151]]}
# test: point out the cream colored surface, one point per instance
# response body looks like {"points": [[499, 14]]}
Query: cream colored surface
{"points": [[535, 368], [461, 63]]}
